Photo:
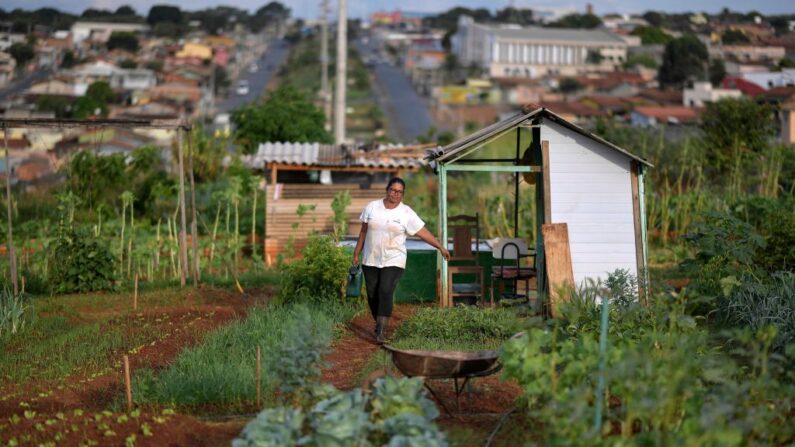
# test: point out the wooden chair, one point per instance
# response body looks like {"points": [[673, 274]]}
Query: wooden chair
{"points": [[463, 228], [510, 252]]}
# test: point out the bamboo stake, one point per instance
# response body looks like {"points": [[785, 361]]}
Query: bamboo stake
{"points": [[194, 231], [12, 258], [183, 242], [135, 293], [259, 378], [127, 385]]}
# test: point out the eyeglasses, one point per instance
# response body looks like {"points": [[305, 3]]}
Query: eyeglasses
{"points": [[396, 191]]}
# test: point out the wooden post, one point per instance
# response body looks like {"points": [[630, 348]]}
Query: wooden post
{"points": [[194, 230], [259, 378], [127, 385], [135, 293], [547, 192], [274, 173], [183, 242], [12, 257]]}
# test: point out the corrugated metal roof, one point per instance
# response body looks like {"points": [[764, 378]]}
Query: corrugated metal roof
{"points": [[559, 34], [328, 155], [448, 152]]}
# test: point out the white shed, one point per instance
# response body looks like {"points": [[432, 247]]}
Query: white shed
{"points": [[592, 185]]}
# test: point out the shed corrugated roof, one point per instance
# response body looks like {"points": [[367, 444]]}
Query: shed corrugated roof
{"points": [[316, 154], [527, 112]]}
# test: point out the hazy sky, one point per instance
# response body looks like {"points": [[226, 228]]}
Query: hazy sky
{"points": [[359, 8]]}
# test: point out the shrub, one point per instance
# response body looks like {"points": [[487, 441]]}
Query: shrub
{"points": [[84, 263], [396, 414], [757, 305], [319, 276]]}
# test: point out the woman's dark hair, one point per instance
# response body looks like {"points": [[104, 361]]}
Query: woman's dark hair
{"points": [[395, 180]]}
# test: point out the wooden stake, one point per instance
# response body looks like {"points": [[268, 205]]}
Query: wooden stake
{"points": [[127, 385], [194, 231], [12, 257], [183, 243], [259, 378], [135, 293]]}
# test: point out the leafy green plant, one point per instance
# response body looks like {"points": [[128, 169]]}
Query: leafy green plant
{"points": [[12, 312], [339, 204], [300, 354], [319, 275], [397, 413], [84, 263], [757, 305]]}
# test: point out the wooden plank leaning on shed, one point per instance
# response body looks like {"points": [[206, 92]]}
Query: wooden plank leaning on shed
{"points": [[560, 275]]}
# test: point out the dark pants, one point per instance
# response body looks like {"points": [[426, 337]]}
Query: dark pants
{"points": [[381, 284]]}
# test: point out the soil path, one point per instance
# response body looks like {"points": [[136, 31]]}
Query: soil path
{"points": [[350, 354]]}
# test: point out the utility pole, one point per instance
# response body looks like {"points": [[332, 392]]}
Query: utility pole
{"points": [[325, 92], [342, 54]]}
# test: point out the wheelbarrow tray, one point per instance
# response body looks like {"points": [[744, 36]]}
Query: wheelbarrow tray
{"points": [[444, 364]]}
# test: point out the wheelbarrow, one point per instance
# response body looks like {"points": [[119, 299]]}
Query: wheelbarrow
{"points": [[439, 365]]}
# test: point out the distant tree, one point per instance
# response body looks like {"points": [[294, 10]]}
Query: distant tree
{"points": [[164, 13], [168, 29], [717, 71], [93, 13], [155, 65], [569, 85], [448, 20], [685, 59], [222, 81], [587, 21], [95, 102], [123, 40], [125, 10], [786, 63], [734, 37], [652, 35], [734, 127], [128, 63], [272, 13], [68, 60], [654, 18], [644, 60], [59, 105], [22, 53], [288, 115], [523, 17]]}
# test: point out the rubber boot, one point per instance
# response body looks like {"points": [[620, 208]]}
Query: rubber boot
{"points": [[381, 326], [378, 327]]}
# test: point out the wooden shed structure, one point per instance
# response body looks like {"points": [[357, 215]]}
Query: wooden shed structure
{"points": [[592, 185]]}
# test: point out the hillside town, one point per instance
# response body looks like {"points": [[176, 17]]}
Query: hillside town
{"points": [[468, 67]]}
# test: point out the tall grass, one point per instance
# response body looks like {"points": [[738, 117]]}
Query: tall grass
{"points": [[221, 370]]}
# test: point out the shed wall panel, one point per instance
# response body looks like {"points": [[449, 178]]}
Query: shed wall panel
{"points": [[591, 192]]}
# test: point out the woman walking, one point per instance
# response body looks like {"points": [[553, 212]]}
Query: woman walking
{"points": [[385, 224]]}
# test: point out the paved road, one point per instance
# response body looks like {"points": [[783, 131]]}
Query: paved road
{"points": [[407, 114], [18, 86], [268, 63]]}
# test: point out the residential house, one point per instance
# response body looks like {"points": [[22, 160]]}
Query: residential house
{"points": [[178, 92], [782, 99], [748, 53], [55, 86], [135, 79], [653, 116], [195, 50], [702, 93], [512, 51], [423, 62], [660, 97], [610, 105], [520, 91], [574, 111]]}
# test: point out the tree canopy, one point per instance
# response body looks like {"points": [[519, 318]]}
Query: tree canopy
{"points": [[587, 21], [685, 60], [22, 52], [288, 115], [734, 126], [124, 40], [164, 13], [652, 35]]}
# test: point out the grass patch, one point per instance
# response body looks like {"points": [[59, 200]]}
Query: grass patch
{"points": [[56, 346], [221, 370], [460, 328]]}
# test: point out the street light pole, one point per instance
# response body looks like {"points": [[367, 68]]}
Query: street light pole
{"points": [[342, 54]]}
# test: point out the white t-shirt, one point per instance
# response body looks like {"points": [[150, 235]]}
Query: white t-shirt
{"points": [[385, 244]]}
